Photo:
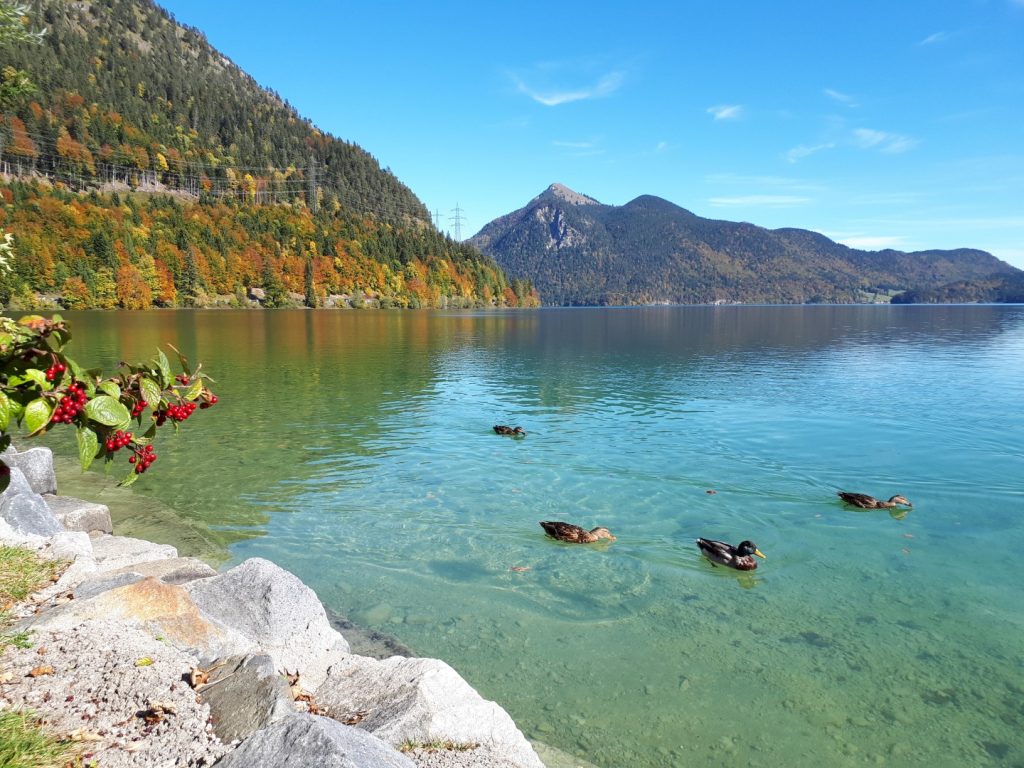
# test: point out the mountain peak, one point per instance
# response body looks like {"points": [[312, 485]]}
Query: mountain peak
{"points": [[566, 195]]}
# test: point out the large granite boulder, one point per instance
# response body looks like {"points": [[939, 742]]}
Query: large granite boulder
{"points": [[24, 509], [116, 552], [421, 701], [37, 466], [280, 614], [245, 694], [165, 610], [77, 515], [303, 741]]}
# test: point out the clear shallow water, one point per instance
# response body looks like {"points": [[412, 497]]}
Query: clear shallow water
{"points": [[355, 449]]}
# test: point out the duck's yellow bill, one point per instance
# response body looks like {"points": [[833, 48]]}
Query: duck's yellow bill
{"points": [[760, 554]]}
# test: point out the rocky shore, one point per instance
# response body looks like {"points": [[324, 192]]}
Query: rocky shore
{"points": [[151, 659]]}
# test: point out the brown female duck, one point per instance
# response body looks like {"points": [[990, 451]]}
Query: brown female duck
{"points": [[503, 429], [573, 533], [740, 557], [864, 501]]}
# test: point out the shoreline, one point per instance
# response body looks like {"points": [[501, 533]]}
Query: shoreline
{"points": [[294, 681]]}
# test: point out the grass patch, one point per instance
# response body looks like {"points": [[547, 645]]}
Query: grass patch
{"points": [[433, 746], [22, 572], [23, 744]]}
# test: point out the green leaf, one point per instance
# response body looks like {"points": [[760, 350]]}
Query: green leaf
{"points": [[165, 369], [34, 374], [111, 388], [106, 410], [5, 411], [195, 390], [131, 478], [182, 359], [37, 415], [88, 446], [151, 391]]}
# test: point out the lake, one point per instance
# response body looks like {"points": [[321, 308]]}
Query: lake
{"points": [[355, 449]]}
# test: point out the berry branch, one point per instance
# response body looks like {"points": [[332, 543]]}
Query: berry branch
{"points": [[41, 388]]}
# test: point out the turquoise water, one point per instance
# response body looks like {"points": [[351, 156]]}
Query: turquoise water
{"points": [[355, 449]]}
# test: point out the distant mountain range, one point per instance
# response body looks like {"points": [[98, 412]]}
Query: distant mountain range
{"points": [[578, 251]]}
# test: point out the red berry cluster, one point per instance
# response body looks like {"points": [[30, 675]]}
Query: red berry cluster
{"points": [[207, 403], [174, 413], [182, 378], [54, 371], [118, 441], [70, 404], [138, 408], [142, 458]]}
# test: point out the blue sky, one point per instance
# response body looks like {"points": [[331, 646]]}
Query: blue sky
{"points": [[880, 124]]}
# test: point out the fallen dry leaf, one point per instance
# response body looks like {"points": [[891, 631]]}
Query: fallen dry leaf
{"points": [[352, 718], [80, 734], [157, 710], [197, 677], [145, 661], [42, 669]]}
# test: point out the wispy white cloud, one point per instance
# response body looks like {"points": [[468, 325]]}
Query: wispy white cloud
{"points": [[775, 201], [842, 98], [800, 152], [936, 37], [661, 146], [883, 141], [605, 86], [726, 111]]}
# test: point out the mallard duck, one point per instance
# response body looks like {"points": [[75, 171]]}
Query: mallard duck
{"points": [[739, 557], [864, 501], [502, 429], [573, 533]]}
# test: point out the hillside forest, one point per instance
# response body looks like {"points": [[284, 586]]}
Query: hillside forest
{"points": [[139, 167]]}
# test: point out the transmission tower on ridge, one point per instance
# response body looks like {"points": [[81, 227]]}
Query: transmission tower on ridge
{"points": [[457, 220]]}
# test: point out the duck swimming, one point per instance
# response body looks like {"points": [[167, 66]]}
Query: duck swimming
{"points": [[864, 501], [573, 533], [739, 557], [502, 429]]}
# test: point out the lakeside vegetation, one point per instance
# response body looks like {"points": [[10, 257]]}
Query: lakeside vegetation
{"points": [[135, 251]]}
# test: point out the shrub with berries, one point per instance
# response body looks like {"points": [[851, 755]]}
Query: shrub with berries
{"points": [[41, 388]]}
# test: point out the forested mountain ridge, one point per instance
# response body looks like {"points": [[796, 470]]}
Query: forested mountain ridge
{"points": [[117, 108], [579, 251], [123, 92]]}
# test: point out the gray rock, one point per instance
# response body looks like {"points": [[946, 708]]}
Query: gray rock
{"points": [[77, 515], [103, 583], [422, 701], [274, 609], [303, 741], [174, 570], [24, 509], [37, 464], [68, 545], [245, 694], [116, 552]]}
